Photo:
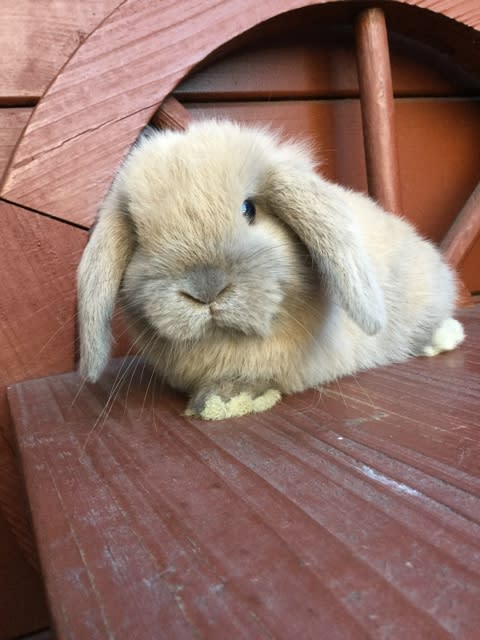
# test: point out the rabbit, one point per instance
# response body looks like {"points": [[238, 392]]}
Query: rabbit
{"points": [[245, 275]]}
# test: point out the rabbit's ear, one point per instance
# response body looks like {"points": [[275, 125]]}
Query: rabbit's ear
{"points": [[98, 278], [318, 212]]}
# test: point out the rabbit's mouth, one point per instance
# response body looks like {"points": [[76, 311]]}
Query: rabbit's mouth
{"points": [[239, 320]]}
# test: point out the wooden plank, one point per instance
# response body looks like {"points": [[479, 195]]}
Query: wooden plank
{"points": [[438, 160], [13, 503], [171, 115], [464, 231], [37, 334], [39, 259], [470, 268], [321, 65], [23, 605], [318, 65], [12, 123], [319, 514], [37, 314], [376, 95], [37, 38], [466, 11], [57, 28]]}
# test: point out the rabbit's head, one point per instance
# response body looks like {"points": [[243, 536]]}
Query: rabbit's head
{"points": [[219, 230]]}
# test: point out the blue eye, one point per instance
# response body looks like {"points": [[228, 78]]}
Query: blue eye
{"points": [[248, 210]]}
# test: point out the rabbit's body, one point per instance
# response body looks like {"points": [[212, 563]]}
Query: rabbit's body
{"points": [[311, 283], [325, 344]]}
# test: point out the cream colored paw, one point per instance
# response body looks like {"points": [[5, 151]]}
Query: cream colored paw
{"points": [[218, 409], [448, 336]]}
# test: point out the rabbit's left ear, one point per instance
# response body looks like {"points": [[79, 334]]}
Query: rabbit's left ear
{"points": [[318, 213], [98, 277]]}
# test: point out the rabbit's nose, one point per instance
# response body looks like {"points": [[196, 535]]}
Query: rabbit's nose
{"points": [[204, 284]]}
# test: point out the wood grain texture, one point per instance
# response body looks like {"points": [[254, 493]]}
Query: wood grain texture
{"points": [[466, 11], [38, 263], [355, 509], [378, 110], [464, 230], [85, 108], [37, 38], [13, 503], [171, 115], [470, 268], [37, 335], [37, 292], [23, 605], [12, 123], [322, 64]]}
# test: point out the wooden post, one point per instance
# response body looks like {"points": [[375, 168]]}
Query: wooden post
{"points": [[460, 237], [464, 231], [376, 95], [171, 114]]}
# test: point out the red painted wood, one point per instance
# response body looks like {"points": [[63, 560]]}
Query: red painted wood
{"points": [[22, 600], [12, 123], [376, 94], [300, 64], [13, 504], [354, 509], [148, 48], [464, 231], [470, 269], [85, 122], [37, 292], [466, 11], [37, 335], [37, 38], [171, 115]]}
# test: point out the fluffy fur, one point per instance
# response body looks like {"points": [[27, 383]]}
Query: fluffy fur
{"points": [[322, 284]]}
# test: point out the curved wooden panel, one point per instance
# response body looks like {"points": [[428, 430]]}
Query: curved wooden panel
{"points": [[466, 11], [112, 85], [109, 89], [37, 38]]}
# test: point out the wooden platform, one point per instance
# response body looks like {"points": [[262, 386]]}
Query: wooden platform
{"points": [[351, 512]]}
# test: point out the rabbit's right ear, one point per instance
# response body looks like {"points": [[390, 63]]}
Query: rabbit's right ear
{"points": [[98, 280], [318, 212]]}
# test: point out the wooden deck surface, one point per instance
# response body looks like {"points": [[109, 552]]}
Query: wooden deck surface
{"points": [[351, 512]]}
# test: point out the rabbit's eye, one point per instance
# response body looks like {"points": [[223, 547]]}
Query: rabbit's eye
{"points": [[248, 210]]}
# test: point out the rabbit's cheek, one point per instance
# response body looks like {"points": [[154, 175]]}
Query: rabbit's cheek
{"points": [[173, 317]]}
